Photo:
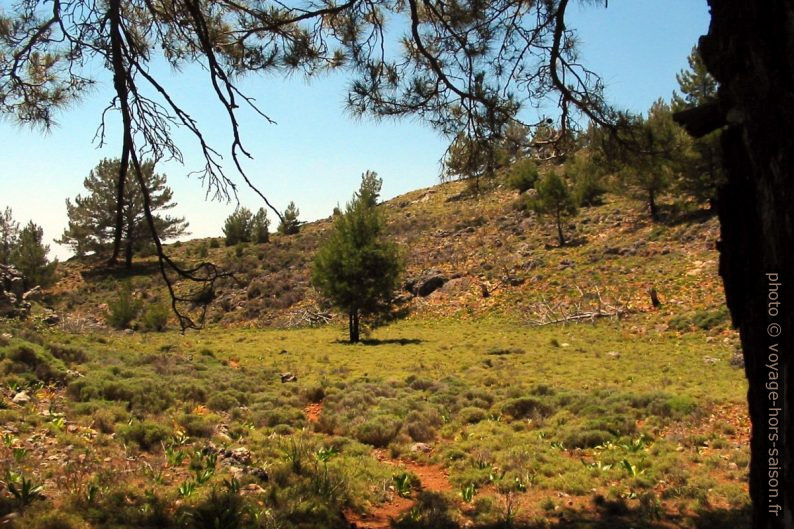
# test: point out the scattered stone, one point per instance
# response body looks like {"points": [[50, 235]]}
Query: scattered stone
{"points": [[241, 454], [420, 447], [259, 473], [288, 377], [72, 428], [51, 318], [12, 289], [253, 488], [613, 354], [710, 360], [236, 472], [737, 359], [21, 398], [425, 284]]}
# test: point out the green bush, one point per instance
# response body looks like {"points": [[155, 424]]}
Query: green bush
{"points": [[67, 354], [140, 394], [146, 434], [197, 425], [214, 243], [526, 407], [378, 431], [123, 309], [522, 175], [156, 317], [422, 425], [33, 362], [586, 438], [472, 415], [223, 401]]}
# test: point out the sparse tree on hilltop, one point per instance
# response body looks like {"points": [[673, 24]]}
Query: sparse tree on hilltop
{"points": [[9, 235], [237, 227], [30, 257], [369, 191], [92, 218], [704, 174], [259, 227], [356, 268], [290, 224], [555, 199]]}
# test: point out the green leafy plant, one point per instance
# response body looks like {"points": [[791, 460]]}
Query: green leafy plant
{"points": [[186, 488], [403, 484], [25, 491], [633, 470], [468, 492]]}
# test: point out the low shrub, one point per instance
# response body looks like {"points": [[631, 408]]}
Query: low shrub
{"points": [[198, 425], [526, 407], [123, 309], [146, 434], [472, 415], [156, 317], [378, 431], [585, 438], [223, 401]]}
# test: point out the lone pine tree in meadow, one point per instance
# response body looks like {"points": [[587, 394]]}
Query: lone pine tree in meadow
{"points": [[92, 218], [356, 268]]}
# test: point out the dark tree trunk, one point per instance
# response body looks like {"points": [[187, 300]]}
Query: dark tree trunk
{"points": [[749, 50], [652, 206], [559, 229], [128, 247], [353, 326]]}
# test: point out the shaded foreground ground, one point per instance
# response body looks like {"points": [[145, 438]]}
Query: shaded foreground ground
{"points": [[436, 424]]}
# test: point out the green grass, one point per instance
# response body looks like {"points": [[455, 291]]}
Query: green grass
{"points": [[557, 413]]}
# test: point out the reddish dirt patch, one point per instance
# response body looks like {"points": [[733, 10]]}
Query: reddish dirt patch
{"points": [[432, 477], [313, 411], [381, 516]]}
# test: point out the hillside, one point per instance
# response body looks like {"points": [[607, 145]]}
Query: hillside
{"points": [[492, 257], [470, 409]]}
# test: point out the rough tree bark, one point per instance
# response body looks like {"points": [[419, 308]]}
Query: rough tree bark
{"points": [[750, 50]]}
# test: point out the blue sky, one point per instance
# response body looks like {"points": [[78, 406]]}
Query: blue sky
{"points": [[316, 153]]}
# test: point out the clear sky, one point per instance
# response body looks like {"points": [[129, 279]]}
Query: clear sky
{"points": [[316, 152]]}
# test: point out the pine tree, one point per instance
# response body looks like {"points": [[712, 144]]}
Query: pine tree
{"points": [[356, 268], [259, 227], [9, 235], [237, 227], [30, 257], [664, 150], [701, 177], [290, 224], [554, 198], [92, 218], [369, 191]]}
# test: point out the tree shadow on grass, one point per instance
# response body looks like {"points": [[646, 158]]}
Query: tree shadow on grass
{"points": [[392, 341], [434, 511], [389, 341], [103, 271]]}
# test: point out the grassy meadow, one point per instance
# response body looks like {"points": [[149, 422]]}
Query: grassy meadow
{"points": [[480, 423]]}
